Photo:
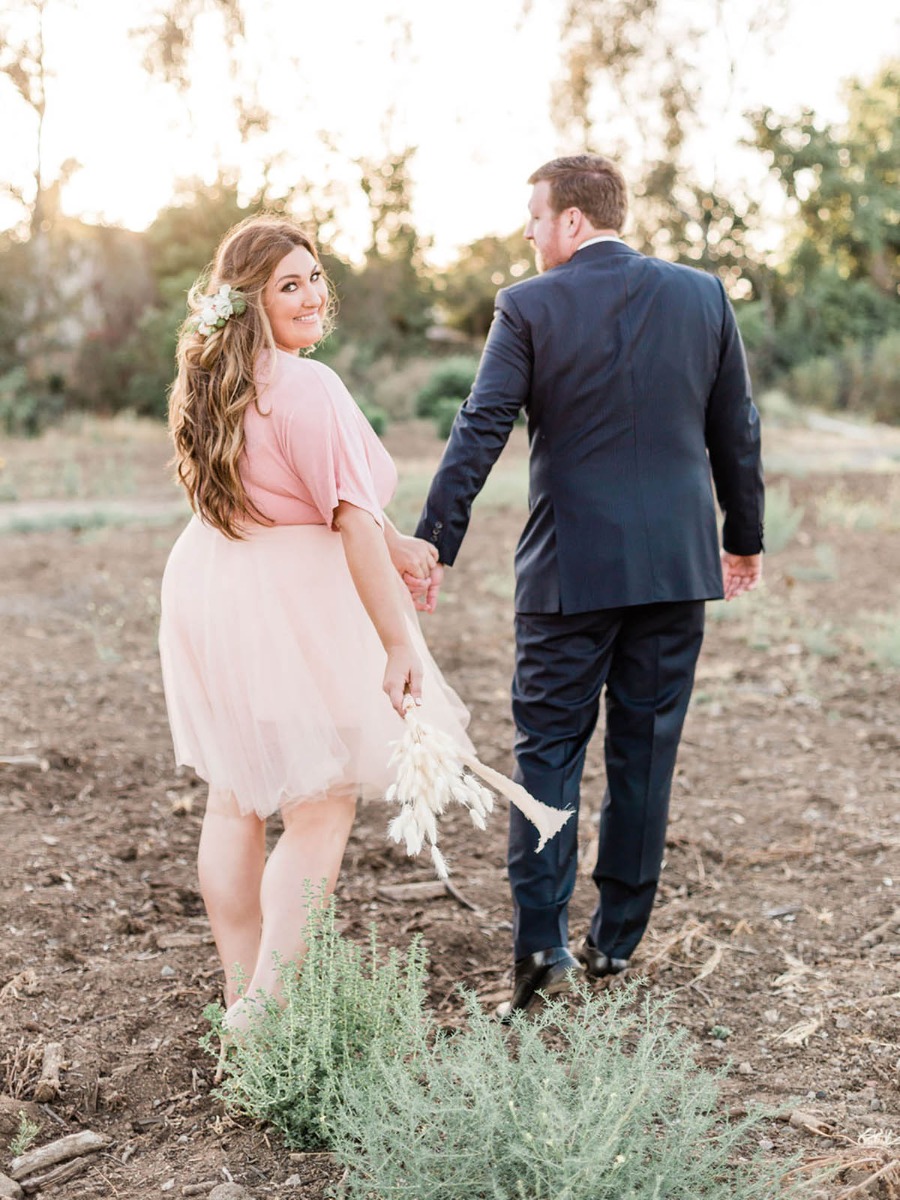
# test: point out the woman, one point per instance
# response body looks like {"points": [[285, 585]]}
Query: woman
{"points": [[284, 617]]}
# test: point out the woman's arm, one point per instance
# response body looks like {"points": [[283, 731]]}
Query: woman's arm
{"points": [[376, 583]]}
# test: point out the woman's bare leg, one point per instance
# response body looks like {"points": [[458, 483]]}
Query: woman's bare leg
{"points": [[230, 862], [307, 856]]}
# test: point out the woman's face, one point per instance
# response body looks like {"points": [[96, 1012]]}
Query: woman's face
{"points": [[295, 298]]}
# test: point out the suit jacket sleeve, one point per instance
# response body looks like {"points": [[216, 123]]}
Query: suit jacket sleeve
{"points": [[480, 430], [733, 442]]}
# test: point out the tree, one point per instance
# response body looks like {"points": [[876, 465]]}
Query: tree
{"points": [[169, 42], [632, 88], [843, 181], [842, 278], [386, 304], [30, 303], [467, 288]]}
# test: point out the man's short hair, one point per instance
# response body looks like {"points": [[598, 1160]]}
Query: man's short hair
{"points": [[588, 182]]}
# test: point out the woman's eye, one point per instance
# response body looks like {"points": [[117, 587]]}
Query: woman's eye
{"points": [[289, 287], [316, 276]]}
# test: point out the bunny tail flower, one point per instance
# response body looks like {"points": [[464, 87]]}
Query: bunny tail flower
{"points": [[432, 772]]}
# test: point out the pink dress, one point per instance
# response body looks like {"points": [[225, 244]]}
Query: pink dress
{"points": [[271, 666]]}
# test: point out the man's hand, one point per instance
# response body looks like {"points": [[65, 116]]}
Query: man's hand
{"points": [[740, 573], [425, 591]]}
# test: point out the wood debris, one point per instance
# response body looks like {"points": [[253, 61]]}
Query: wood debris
{"points": [[48, 1086], [800, 1033], [60, 1151]]}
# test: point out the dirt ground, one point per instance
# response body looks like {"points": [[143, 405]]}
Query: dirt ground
{"points": [[777, 929]]}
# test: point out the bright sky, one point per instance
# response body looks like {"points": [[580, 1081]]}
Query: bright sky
{"points": [[470, 88]]}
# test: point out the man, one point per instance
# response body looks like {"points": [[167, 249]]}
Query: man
{"points": [[633, 378]]}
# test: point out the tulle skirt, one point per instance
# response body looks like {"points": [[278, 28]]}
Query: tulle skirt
{"points": [[272, 669]]}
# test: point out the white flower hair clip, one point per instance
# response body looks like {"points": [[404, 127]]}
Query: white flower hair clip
{"points": [[216, 310]]}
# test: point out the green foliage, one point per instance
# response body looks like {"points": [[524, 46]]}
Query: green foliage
{"points": [[600, 1103], [820, 641], [843, 181], [376, 417], [823, 568], [467, 289], [783, 518], [827, 312], [816, 382], [347, 1009], [885, 379], [26, 407], [444, 414], [841, 283], [25, 1135], [858, 378], [451, 380], [387, 304]]}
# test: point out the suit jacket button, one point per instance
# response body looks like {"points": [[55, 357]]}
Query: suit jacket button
{"points": [[438, 526]]}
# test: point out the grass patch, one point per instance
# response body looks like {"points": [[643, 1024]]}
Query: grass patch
{"points": [[820, 641], [783, 518], [881, 640], [92, 520], [838, 509], [506, 488], [823, 568]]}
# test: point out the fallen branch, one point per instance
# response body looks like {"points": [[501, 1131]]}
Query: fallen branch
{"points": [[48, 1086], [58, 1175], [890, 1173], [63, 1149], [24, 760]]}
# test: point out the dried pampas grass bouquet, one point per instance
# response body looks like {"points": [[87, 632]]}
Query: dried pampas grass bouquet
{"points": [[433, 772]]}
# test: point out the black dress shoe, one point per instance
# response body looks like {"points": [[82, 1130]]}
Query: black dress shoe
{"points": [[547, 971], [598, 965]]}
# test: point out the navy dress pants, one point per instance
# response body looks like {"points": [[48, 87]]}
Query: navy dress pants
{"points": [[645, 656]]}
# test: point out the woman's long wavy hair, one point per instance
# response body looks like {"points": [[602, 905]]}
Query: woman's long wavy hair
{"points": [[215, 380]]}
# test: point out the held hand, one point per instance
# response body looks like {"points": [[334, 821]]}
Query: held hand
{"points": [[403, 676], [412, 556], [740, 573], [425, 591]]}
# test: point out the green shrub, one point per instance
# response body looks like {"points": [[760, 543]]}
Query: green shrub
{"points": [[816, 383], [26, 409], [376, 417], [783, 518], [603, 1103], [452, 379], [444, 415], [885, 379], [344, 1008]]}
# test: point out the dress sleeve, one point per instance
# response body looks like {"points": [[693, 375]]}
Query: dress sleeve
{"points": [[325, 446]]}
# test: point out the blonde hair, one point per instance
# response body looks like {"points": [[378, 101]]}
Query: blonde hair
{"points": [[215, 381]]}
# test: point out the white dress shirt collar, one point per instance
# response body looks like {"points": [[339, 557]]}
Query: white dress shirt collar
{"points": [[604, 237]]}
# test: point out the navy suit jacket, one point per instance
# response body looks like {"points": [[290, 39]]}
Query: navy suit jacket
{"points": [[634, 381]]}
